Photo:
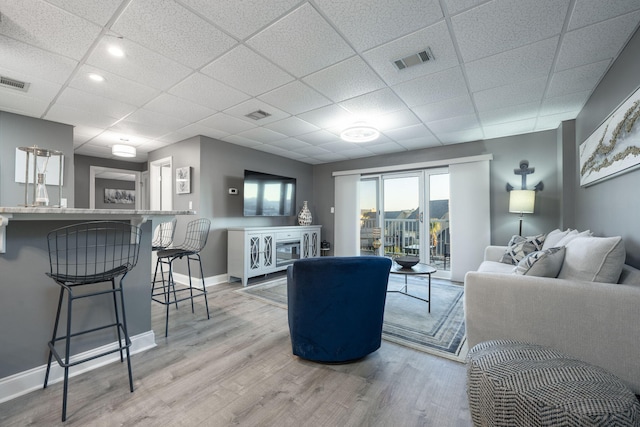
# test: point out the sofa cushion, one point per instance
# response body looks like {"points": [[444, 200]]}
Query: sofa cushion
{"points": [[546, 263], [495, 267], [594, 259], [573, 234], [519, 247], [553, 237]]}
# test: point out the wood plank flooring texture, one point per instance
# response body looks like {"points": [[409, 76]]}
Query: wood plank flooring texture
{"points": [[237, 369]]}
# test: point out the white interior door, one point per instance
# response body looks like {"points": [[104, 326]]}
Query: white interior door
{"points": [[160, 185]]}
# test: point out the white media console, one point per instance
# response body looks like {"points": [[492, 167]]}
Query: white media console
{"points": [[255, 251]]}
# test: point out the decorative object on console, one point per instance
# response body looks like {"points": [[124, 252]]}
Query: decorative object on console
{"points": [[38, 166], [613, 148], [407, 261], [183, 180], [304, 216], [376, 234], [523, 201]]}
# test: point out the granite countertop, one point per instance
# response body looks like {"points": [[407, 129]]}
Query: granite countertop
{"points": [[78, 211]]}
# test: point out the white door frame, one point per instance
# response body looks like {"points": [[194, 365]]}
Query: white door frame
{"points": [[93, 170], [160, 192]]}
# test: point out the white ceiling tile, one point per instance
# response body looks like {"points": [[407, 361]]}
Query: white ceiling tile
{"points": [[239, 140], [39, 89], [397, 119], [513, 94], [571, 102], [409, 132], [113, 87], [301, 42], [458, 137], [262, 135], [318, 138], [295, 98], [369, 23], [454, 124], [149, 124], [329, 117], [246, 70], [96, 11], [312, 151], [437, 37], [525, 63], [155, 145], [272, 150], [173, 137], [432, 88], [510, 128], [173, 106], [292, 126], [290, 144], [84, 133], [373, 104], [356, 153], [386, 148], [241, 18], [226, 123], [501, 25], [111, 137], [331, 157], [199, 129], [347, 79], [14, 101], [586, 12], [48, 27], [208, 92], [577, 79], [596, 42], [339, 146], [460, 106], [78, 99], [240, 111], [23, 59], [553, 121], [455, 6], [510, 114], [139, 64], [419, 143], [168, 28]]}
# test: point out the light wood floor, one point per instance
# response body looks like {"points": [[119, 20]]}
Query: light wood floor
{"points": [[237, 369]]}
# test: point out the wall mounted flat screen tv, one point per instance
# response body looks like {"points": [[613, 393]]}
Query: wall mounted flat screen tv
{"points": [[269, 195]]}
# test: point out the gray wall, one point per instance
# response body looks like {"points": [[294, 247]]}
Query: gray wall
{"points": [[610, 208], [117, 184], [217, 166], [22, 131], [82, 165], [540, 149]]}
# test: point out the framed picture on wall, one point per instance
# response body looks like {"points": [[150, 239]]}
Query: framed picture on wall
{"points": [[183, 180], [115, 195]]}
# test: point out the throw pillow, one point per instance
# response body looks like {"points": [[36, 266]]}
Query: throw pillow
{"points": [[553, 237], [594, 259], [519, 247], [573, 234], [545, 263]]}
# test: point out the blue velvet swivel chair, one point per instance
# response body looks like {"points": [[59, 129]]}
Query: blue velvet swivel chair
{"points": [[336, 306]]}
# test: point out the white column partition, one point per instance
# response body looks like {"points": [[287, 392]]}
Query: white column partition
{"points": [[347, 215]]}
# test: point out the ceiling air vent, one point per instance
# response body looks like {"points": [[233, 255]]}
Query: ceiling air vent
{"points": [[258, 114], [13, 84], [415, 59]]}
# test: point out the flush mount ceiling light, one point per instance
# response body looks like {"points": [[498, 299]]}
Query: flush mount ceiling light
{"points": [[360, 133], [123, 150]]}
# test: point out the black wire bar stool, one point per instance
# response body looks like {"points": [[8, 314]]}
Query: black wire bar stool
{"points": [[195, 240], [162, 239], [85, 255]]}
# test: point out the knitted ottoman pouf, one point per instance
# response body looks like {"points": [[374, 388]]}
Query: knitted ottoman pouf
{"points": [[511, 383]]}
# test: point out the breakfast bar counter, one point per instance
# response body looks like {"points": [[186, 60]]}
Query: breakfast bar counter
{"points": [[28, 298]]}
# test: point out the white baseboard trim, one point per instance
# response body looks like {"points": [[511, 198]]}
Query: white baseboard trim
{"points": [[25, 382], [183, 279]]}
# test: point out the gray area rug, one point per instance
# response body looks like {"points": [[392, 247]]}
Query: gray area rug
{"points": [[406, 320]]}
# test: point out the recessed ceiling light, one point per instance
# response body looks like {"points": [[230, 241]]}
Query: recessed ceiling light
{"points": [[360, 133], [123, 150], [116, 51], [96, 77]]}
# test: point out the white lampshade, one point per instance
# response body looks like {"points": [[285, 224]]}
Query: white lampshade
{"points": [[123, 150], [522, 201]]}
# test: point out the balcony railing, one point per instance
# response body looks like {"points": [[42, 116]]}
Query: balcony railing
{"points": [[402, 237]]}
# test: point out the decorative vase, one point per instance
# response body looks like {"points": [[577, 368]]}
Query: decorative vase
{"points": [[304, 216]]}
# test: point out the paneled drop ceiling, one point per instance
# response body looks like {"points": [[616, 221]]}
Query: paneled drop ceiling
{"points": [[198, 67]]}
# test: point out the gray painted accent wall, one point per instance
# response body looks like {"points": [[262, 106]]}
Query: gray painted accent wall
{"points": [[216, 167], [539, 148], [610, 208], [22, 131]]}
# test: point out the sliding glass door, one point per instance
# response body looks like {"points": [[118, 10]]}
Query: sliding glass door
{"points": [[410, 213]]}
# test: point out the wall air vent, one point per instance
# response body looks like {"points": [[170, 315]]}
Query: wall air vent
{"points": [[415, 59], [258, 114], [13, 84]]}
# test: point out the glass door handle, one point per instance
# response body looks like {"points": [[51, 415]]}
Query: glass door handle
{"points": [[421, 217]]}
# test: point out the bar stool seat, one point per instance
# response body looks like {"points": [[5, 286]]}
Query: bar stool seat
{"points": [[82, 256], [195, 240]]}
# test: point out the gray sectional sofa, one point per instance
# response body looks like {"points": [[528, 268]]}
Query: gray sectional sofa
{"points": [[582, 312]]}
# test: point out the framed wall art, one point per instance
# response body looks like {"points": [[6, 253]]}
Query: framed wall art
{"points": [[183, 180], [614, 147], [114, 195]]}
